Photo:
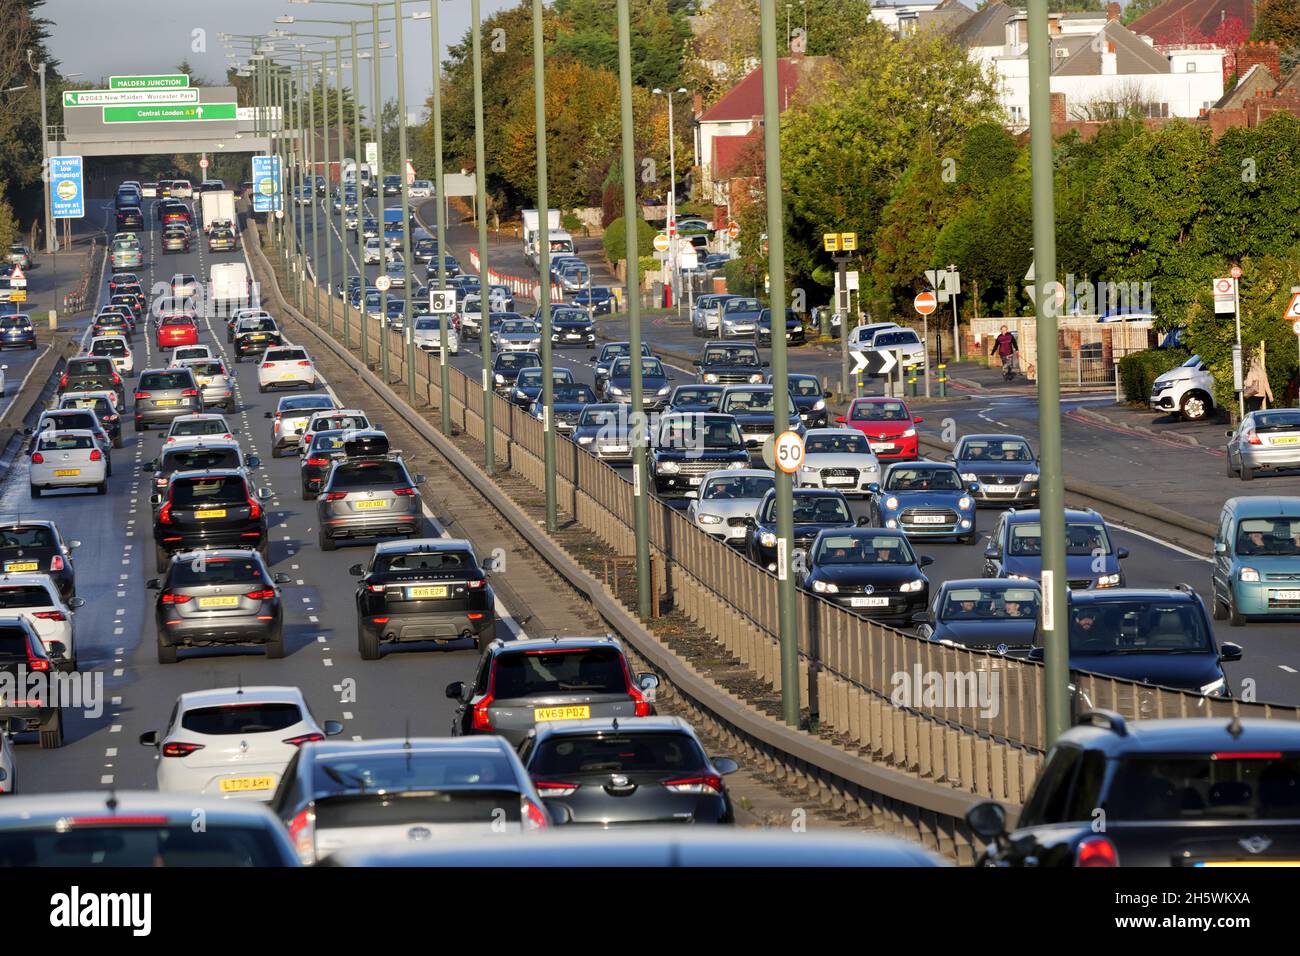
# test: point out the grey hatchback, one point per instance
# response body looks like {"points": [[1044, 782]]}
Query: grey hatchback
{"points": [[368, 498], [164, 394]]}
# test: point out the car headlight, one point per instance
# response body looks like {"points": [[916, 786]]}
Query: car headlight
{"points": [[964, 503], [1161, 386], [733, 466], [520, 393], [891, 502], [910, 433], [767, 539], [821, 403], [1249, 574], [912, 586], [822, 587], [499, 378], [968, 476], [585, 439], [1031, 477], [668, 467], [810, 469], [756, 379], [710, 378], [615, 390], [1216, 688], [555, 336], [1108, 581], [664, 391], [710, 519]]}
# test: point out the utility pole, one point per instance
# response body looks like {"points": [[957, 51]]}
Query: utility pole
{"points": [[441, 211], [311, 185], [343, 227], [544, 265], [409, 321], [358, 146], [1051, 488], [484, 309], [378, 120], [789, 623], [51, 245]]}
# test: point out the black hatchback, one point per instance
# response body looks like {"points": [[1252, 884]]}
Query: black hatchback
{"points": [[38, 547], [92, 374], [209, 509]]}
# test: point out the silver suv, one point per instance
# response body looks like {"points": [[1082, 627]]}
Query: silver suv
{"points": [[368, 498], [163, 394]]}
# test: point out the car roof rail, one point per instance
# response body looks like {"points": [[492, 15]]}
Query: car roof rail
{"points": [[1184, 587], [1105, 719]]}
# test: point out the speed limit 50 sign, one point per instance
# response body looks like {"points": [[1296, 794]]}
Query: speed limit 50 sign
{"points": [[789, 452]]}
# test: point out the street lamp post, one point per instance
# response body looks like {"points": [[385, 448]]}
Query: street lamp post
{"points": [[50, 244], [405, 191], [544, 268], [484, 309], [343, 228], [378, 119], [441, 205], [672, 195]]}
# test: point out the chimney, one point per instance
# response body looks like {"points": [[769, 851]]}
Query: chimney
{"points": [[1109, 66], [699, 104], [1112, 11], [1058, 107]]}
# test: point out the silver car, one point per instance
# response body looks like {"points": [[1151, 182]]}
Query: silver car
{"points": [[290, 418], [840, 459], [164, 393], [518, 335], [704, 317], [368, 498], [726, 500], [1268, 439], [216, 387], [428, 334]]}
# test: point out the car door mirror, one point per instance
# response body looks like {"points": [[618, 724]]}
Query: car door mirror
{"points": [[765, 363], [692, 495], [149, 738], [973, 487], [263, 493], [1229, 653], [1229, 433], [254, 461], [921, 617], [839, 419], [725, 765], [456, 690], [1038, 654], [268, 415], [281, 578], [77, 602], [1122, 553], [332, 728], [74, 545], [1220, 548], [987, 820], [917, 421], [874, 487], [153, 584], [357, 570], [924, 561], [697, 362], [149, 467], [559, 813], [991, 553], [155, 499], [864, 521]]}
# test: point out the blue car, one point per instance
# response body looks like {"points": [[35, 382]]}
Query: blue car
{"points": [[1091, 558], [567, 404], [924, 499], [1256, 559], [528, 384], [599, 299], [17, 331]]}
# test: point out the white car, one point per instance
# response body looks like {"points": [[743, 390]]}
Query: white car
{"points": [[904, 343], [428, 334], [840, 459], [198, 426], [181, 189], [421, 189], [337, 418], [234, 742], [861, 336], [36, 598], [375, 251], [285, 366], [290, 419], [68, 459], [149, 190], [110, 346], [182, 352]]}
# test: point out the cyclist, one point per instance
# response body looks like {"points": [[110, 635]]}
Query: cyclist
{"points": [[1004, 346]]}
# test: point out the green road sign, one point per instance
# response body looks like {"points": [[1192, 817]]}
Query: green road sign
{"points": [[166, 81], [170, 114], [128, 97]]}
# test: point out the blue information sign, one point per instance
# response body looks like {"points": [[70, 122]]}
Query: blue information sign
{"points": [[67, 188], [266, 183]]}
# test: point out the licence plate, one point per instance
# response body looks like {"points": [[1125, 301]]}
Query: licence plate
{"points": [[696, 480], [21, 565], [1287, 595], [287, 375], [1284, 441], [839, 481], [432, 591], [882, 445], [930, 519], [245, 784], [1000, 489], [735, 532], [869, 602], [167, 401], [204, 382], [231, 601], [561, 713], [67, 472], [370, 505], [614, 448], [257, 338], [211, 513]]}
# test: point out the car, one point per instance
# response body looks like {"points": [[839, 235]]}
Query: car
{"points": [[333, 417], [17, 332], [368, 498], [218, 598], [198, 754], [87, 373], [222, 239], [428, 334], [181, 189], [608, 353], [1187, 390], [695, 398], [507, 365], [203, 425], [889, 426], [904, 343], [351, 218], [375, 251], [727, 500], [131, 301], [149, 190], [211, 508], [67, 458], [686, 446], [176, 237], [450, 268], [571, 327], [1265, 440], [392, 185], [420, 189], [1015, 550], [925, 499], [195, 454], [605, 431], [184, 285], [1003, 466], [216, 384], [285, 366], [36, 598], [395, 313], [176, 328], [528, 384], [370, 230], [423, 589], [359, 796], [23, 654], [794, 330], [1191, 792], [871, 571], [185, 352], [103, 405], [634, 771], [655, 388], [234, 318], [374, 302], [815, 509], [983, 614], [838, 458], [754, 407], [739, 316], [36, 546], [728, 364], [114, 348], [395, 269], [130, 219], [522, 682], [64, 419], [162, 394], [861, 335], [567, 404], [1256, 559], [20, 255], [291, 416], [325, 447], [517, 335], [253, 335]]}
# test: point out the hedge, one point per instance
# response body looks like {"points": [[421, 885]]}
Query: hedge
{"points": [[1139, 370], [615, 239]]}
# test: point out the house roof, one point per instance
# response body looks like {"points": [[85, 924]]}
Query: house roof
{"points": [[1180, 21], [731, 152], [1132, 55], [949, 15], [744, 101], [1257, 77], [987, 27]]}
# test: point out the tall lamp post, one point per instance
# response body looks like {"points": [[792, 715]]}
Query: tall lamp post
{"points": [[480, 205], [544, 267], [672, 189], [441, 208]]}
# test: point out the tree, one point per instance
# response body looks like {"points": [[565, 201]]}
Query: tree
{"points": [[1137, 8], [909, 225], [588, 34], [615, 239], [1278, 21]]}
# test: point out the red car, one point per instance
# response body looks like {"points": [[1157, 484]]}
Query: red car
{"points": [[888, 425], [175, 329]]}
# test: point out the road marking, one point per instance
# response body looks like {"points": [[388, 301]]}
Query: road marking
{"points": [[1160, 541], [1289, 670]]}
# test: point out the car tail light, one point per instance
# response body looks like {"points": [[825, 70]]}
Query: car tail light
{"points": [[533, 816], [64, 380], [96, 455], [377, 589], [165, 515], [1096, 851], [303, 739], [480, 719], [56, 563], [170, 598], [553, 788], [117, 379], [264, 594], [1247, 755], [178, 749], [189, 393], [318, 462], [51, 615], [707, 783], [116, 821], [140, 395], [38, 458], [304, 363], [302, 830], [268, 365], [475, 585], [1252, 438], [254, 509], [335, 495], [638, 698], [404, 492]]}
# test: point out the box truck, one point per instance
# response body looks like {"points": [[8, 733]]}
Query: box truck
{"points": [[229, 288], [217, 206], [561, 243]]}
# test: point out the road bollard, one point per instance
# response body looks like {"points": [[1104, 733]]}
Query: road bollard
{"points": [[942, 380]]}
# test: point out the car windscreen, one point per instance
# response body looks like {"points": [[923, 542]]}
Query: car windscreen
{"points": [[162, 381], [146, 845], [982, 603], [730, 487], [854, 444], [603, 417], [570, 394], [1138, 626], [748, 401], [891, 339], [533, 377], [15, 322], [17, 537], [666, 751], [367, 474], [113, 346], [24, 595], [305, 403], [805, 386], [1285, 419], [1268, 536], [285, 355], [332, 422], [1234, 785], [509, 360], [242, 718], [878, 412], [216, 570], [976, 450], [742, 305], [810, 509], [923, 479], [697, 396], [257, 325], [207, 368], [90, 368], [422, 774], [561, 671], [699, 431], [862, 548], [426, 561], [100, 406], [730, 355], [62, 441], [217, 489]]}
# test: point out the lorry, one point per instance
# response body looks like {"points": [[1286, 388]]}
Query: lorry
{"points": [[561, 242], [217, 206], [229, 288], [367, 176]]}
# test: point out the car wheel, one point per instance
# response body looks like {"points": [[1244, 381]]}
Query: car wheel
{"points": [[1247, 473], [261, 388], [307, 494], [326, 542], [36, 491], [275, 646], [968, 538], [52, 731], [1235, 617], [102, 488], [1194, 406], [367, 644], [166, 653], [161, 559], [1232, 472]]}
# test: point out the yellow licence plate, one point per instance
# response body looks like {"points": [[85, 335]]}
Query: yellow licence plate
{"points": [[21, 565], [561, 713], [231, 601], [370, 505], [211, 513], [167, 401], [1285, 441], [67, 472], [433, 591], [245, 784]]}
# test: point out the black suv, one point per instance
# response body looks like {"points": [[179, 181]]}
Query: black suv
{"points": [[570, 327], [335, 444], [1194, 792], [254, 335], [794, 330], [729, 364], [209, 509], [87, 374], [689, 445], [130, 219], [425, 589], [37, 547], [21, 655]]}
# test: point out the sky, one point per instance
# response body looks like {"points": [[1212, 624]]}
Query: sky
{"points": [[99, 38]]}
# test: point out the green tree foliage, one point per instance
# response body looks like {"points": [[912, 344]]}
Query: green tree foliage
{"points": [[1278, 21], [21, 29], [1251, 204], [615, 239], [910, 223], [1137, 8], [660, 32]]}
